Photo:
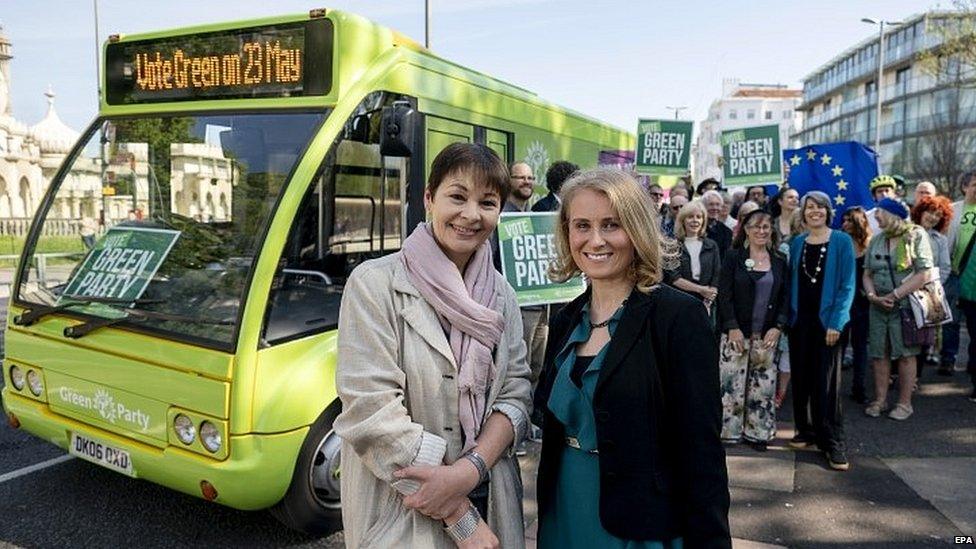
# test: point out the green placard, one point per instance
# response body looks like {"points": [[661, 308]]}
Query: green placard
{"points": [[121, 264], [527, 243], [751, 156], [663, 147]]}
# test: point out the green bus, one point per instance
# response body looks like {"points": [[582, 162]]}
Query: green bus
{"points": [[240, 171]]}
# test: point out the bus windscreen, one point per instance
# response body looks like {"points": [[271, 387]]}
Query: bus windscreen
{"points": [[285, 60]]}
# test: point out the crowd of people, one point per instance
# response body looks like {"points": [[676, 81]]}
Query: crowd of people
{"points": [[701, 307]]}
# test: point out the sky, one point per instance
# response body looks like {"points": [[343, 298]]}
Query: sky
{"points": [[614, 60]]}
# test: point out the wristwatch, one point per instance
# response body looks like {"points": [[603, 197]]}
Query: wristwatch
{"points": [[464, 528]]}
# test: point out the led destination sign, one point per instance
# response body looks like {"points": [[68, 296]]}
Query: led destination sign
{"points": [[272, 61]]}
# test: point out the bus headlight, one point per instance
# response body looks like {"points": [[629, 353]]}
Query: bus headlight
{"points": [[185, 431], [35, 382], [210, 436], [17, 377]]}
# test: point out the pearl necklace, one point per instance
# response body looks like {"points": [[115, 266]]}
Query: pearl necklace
{"points": [[820, 258]]}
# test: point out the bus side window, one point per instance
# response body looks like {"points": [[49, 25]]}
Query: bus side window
{"points": [[353, 211]]}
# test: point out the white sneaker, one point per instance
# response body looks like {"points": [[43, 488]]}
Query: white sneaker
{"points": [[901, 412]]}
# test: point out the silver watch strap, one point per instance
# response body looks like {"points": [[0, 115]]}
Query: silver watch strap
{"points": [[464, 528]]}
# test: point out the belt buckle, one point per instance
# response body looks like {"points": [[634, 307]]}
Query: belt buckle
{"points": [[573, 442]]}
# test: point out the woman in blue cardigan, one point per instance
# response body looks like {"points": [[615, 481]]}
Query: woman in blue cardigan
{"points": [[822, 284]]}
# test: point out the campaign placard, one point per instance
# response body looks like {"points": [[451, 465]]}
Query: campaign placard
{"points": [[121, 264], [751, 156], [527, 243], [663, 147]]}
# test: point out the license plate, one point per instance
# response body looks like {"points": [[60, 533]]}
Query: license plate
{"points": [[103, 454]]}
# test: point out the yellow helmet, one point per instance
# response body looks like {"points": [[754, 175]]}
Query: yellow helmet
{"points": [[883, 181]]}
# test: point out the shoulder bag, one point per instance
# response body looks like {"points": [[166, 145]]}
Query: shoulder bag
{"points": [[912, 334]]}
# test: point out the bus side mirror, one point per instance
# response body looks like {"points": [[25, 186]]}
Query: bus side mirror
{"points": [[398, 128]]}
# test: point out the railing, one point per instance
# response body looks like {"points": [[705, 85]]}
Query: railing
{"points": [[19, 226]]}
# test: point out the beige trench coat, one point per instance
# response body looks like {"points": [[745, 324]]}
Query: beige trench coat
{"points": [[397, 382]]}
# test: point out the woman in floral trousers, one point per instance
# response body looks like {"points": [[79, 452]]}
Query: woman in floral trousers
{"points": [[753, 308]]}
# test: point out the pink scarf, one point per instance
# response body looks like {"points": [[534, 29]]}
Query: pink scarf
{"points": [[466, 311]]}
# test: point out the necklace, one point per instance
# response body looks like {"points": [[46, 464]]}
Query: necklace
{"points": [[820, 257], [606, 322]]}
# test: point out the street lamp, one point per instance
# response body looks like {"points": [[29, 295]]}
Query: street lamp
{"points": [[879, 89], [676, 110]]}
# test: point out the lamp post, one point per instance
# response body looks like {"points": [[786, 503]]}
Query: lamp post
{"points": [[427, 24], [676, 110], [878, 88]]}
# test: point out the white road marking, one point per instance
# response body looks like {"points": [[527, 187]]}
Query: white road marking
{"points": [[34, 468]]}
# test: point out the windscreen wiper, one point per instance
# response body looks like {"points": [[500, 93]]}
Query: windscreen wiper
{"points": [[85, 328], [30, 316]]}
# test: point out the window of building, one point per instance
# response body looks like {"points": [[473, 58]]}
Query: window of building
{"points": [[751, 114], [787, 114], [733, 115], [768, 115]]}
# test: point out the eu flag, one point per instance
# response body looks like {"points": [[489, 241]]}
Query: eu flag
{"points": [[842, 170]]}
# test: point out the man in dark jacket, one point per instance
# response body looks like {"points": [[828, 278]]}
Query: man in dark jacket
{"points": [[717, 231], [556, 175]]}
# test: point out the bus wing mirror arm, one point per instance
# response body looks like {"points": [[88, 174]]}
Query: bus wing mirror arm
{"points": [[398, 129]]}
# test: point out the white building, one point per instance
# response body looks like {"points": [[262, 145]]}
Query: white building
{"points": [[741, 106]]}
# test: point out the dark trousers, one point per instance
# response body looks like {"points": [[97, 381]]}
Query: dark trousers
{"points": [[816, 383], [857, 335], [968, 309], [950, 331]]}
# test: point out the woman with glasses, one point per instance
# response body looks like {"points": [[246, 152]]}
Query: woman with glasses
{"points": [[821, 292], [899, 260], [753, 310], [698, 271], [855, 224]]}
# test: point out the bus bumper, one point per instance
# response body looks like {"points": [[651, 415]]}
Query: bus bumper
{"points": [[255, 476]]}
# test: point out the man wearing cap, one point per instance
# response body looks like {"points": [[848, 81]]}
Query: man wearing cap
{"points": [[962, 281], [882, 186]]}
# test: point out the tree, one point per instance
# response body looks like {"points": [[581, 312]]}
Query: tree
{"points": [[944, 151]]}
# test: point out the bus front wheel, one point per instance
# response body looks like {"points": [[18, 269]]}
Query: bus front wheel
{"points": [[311, 504]]}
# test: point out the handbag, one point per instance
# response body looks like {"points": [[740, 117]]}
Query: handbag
{"points": [[912, 334], [930, 308]]}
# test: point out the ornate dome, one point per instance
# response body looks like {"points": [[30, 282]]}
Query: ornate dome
{"points": [[51, 134]]}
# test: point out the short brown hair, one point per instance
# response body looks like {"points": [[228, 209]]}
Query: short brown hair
{"points": [[471, 158]]}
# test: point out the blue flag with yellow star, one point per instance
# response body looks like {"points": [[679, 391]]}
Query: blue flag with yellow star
{"points": [[842, 170]]}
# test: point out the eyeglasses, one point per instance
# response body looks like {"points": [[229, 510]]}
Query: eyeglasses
{"points": [[524, 177], [764, 228]]}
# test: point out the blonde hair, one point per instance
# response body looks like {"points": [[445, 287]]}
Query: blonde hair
{"points": [[652, 252], [695, 206]]}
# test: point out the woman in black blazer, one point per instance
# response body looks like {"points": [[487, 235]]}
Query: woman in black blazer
{"points": [[753, 308], [701, 264], [631, 454]]}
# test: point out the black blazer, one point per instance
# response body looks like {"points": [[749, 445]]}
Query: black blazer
{"points": [[658, 414], [722, 235], [711, 266], [737, 293], [547, 203]]}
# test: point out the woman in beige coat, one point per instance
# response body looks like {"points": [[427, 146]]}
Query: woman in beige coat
{"points": [[433, 378]]}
